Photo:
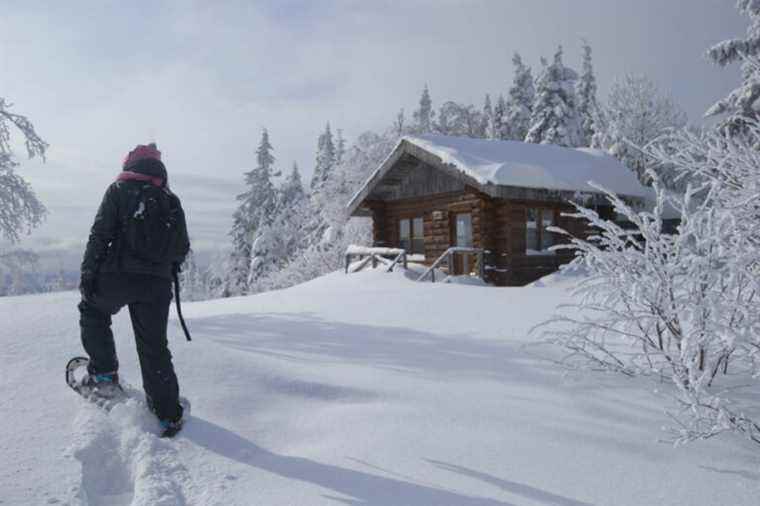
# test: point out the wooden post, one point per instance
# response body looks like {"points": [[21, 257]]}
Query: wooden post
{"points": [[406, 266], [374, 261], [348, 261]]}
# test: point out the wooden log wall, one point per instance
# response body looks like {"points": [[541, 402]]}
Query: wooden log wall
{"points": [[498, 225], [437, 213]]}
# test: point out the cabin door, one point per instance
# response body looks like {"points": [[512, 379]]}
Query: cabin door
{"points": [[463, 262]]}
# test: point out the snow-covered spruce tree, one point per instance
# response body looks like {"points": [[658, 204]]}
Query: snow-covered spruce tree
{"points": [[741, 103], [499, 113], [423, 116], [519, 105], [292, 212], [20, 209], [280, 240], [636, 113], [488, 128], [321, 186], [340, 147], [254, 210], [682, 307], [325, 159], [554, 119], [586, 93]]}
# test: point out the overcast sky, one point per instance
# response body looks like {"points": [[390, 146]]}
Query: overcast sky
{"points": [[203, 78]]}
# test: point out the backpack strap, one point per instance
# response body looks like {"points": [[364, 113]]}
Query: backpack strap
{"points": [[175, 274]]}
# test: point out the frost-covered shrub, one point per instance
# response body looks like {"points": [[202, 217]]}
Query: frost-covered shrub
{"points": [[685, 306]]}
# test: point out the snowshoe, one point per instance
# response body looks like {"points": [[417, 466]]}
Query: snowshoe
{"points": [[103, 390], [106, 391]]}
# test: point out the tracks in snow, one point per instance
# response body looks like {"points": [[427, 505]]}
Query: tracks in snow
{"points": [[124, 462]]}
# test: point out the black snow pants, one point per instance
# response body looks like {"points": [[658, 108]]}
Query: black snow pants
{"points": [[148, 298]]}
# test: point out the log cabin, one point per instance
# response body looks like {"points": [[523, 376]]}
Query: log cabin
{"points": [[435, 192]]}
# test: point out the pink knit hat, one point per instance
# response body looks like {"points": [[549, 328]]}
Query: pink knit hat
{"points": [[142, 152]]}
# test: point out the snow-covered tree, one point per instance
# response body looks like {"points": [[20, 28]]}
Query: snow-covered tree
{"points": [[57, 282], [325, 159], [254, 211], [16, 266], [20, 209], [488, 129], [554, 119], [519, 105], [292, 189], [459, 120], [586, 93], [423, 116], [399, 124], [636, 113], [499, 113], [283, 237], [321, 251], [323, 184], [681, 307], [193, 280], [292, 213], [741, 104], [340, 147]]}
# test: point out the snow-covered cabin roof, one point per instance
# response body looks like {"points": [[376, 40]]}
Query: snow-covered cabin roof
{"points": [[490, 165]]}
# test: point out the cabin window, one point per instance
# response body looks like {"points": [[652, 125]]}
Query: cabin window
{"points": [[411, 235], [418, 236], [538, 239], [464, 230]]}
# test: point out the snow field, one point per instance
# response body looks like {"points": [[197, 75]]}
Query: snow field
{"points": [[366, 389]]}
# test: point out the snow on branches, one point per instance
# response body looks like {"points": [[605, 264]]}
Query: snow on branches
{"points": [[636, 113], [554, 117], [682, 306], [20, 209], [740, 104], [519, 105]]}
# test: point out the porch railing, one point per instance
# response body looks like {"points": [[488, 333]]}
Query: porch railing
{"points": [[375, 256], [449, 255]]}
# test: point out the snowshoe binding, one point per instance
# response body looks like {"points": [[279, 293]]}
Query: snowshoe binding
{"points": [[101, 389], [170, 428]]}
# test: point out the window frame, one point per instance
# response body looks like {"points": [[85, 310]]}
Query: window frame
{"points": [[469, 229], [540, 230], [412, 241]]}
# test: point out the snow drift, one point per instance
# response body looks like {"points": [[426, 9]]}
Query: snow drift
{"points": [[351, 389]]}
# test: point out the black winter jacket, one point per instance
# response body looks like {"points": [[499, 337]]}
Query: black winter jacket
{"points": [[105, 252]]}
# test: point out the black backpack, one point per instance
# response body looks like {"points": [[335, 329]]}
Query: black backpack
{"points": [[154, 225]]}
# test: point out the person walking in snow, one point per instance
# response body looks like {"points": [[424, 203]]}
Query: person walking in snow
{"points": [[137, 242]]}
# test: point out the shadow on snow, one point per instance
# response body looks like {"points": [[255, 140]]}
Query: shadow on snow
{"points": [[363, 488]]}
